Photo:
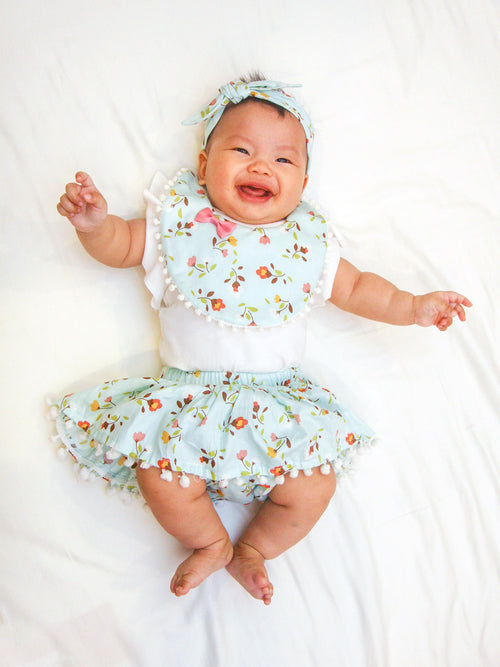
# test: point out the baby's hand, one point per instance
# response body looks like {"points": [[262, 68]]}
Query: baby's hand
{"points": [[83, 204], [439, 309]]}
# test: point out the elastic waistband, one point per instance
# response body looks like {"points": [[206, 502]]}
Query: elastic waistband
{"points": [[223, 377]]}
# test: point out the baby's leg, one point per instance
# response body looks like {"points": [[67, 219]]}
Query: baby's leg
{"points": [[189, 515], [287, 515]]}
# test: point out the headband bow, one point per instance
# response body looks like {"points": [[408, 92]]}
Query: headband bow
{"points": [[237, 91]]}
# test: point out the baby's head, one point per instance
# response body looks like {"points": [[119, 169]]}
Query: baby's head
{"points": [[256, 152]]}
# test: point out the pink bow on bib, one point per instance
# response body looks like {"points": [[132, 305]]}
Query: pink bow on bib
{"points": [[224, 227]]}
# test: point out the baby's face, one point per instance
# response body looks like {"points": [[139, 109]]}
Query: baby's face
{"points": [[254, 167]]}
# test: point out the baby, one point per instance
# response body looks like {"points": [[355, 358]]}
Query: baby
{"points": [[233, 259]]}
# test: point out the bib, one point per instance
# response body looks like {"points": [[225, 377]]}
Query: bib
{"points": [[240, 275]]}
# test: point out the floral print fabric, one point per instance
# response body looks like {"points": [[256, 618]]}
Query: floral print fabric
{"points": [[240, 432], [247, 276]]}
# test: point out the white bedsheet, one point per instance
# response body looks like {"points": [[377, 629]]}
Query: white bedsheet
{"points": [[403, 568]]}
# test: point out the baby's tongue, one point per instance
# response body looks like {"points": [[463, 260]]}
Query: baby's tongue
{"points": [[252, 191]]}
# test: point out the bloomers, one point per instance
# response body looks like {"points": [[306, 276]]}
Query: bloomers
{"points": [[242, 433]]}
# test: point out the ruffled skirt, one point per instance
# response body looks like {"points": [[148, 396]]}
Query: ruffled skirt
{"points": [[241, 432]]}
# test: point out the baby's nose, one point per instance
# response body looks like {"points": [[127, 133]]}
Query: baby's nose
{"points": [[261, 165]]}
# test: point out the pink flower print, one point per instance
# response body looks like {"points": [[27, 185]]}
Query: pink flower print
{"points": [[274, 437], [297, 418], [224, 252], [175, 423], [200, 191], [108, 400], [203, 421], [241, 455], [306, 287], [264, 240], [192, 261], [139, 436]]}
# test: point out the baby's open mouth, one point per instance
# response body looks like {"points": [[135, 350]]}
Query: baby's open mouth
{"points": [[254, 193]]}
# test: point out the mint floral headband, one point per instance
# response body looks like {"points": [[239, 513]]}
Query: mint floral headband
{"points": [[237, 91]]}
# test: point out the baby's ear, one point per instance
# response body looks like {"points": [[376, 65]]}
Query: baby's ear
{"points": [[202, 167]]}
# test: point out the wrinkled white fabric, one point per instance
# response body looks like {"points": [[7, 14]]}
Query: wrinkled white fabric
{"points": [[402, 569]]}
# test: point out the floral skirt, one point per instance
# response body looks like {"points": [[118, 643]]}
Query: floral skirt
{"points": [[241, 432]]}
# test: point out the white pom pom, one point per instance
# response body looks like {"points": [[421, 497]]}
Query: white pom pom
{"points": [[126, 496], [61, 452], [55, 438], [223, 484], [84, 473], [145, 466], [53, 413], [111, 455], [294, 473], [262, 480], [325, 469], [280, 480], [308, 472], [166, 475], [337, 465], [129, 463], [184, 481]]}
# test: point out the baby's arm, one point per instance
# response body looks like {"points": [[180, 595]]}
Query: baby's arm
{"points": [[369, 295], [108, 238]]}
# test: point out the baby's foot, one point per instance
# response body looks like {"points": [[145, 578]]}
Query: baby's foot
{"points": [[247, 567], [201, 564]]}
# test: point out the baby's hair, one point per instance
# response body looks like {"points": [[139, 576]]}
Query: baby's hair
{"points": [[250, 77]]}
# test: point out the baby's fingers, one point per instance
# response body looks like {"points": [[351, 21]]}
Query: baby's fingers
{"points": [[458, 301], [83, 179], [68, 206], [88, 193]]}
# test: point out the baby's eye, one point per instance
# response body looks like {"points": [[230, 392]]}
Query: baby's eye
{"points": [[284, 160], [241, 150]]}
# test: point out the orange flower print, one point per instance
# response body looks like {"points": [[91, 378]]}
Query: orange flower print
{"points": [[271, 452], [84, 425], [94, 406], [218, 304], [279, 470], [263, 272], [232, 241], [239, 423], [350, 439], [154, 404], [164, 464]]}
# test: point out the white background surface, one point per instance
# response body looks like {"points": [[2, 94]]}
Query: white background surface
{"points": [[403, 568]]}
